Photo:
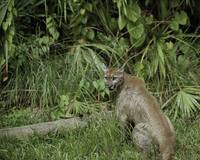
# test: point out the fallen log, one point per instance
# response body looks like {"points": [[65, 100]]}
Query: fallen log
{"points": [[43, 128]]}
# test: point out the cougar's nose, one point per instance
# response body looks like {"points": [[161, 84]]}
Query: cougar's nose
{"points": [[109, 83]]}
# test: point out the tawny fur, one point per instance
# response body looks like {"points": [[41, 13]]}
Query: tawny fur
{"points": [[135, 104]]}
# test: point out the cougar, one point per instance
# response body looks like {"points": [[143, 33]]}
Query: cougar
{"points": [[136, 106]]}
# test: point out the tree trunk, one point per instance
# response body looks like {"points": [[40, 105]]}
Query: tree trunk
{"points": [[43, 128]]}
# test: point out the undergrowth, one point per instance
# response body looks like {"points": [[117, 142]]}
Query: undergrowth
{"points": [[55, 58], [100, 140]]}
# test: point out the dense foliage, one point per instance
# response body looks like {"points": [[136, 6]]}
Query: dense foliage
{"points": [[51, 52]]}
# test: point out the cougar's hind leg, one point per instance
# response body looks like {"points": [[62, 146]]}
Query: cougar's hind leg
{"points": [[142, 137]]}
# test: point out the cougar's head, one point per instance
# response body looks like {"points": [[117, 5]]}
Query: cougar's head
{"points": [[113, 77]]}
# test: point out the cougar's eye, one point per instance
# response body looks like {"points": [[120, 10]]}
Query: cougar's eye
{"points": [[106, 77], [115, 77]]}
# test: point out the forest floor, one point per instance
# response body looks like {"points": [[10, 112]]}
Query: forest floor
{"points": [[100, 140]]}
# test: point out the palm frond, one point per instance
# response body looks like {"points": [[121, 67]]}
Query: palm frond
{"points": [[187, 101]]}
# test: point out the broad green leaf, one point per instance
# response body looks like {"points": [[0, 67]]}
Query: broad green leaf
{"points": [[149, 19], [12, 31], [90, 34], [133, 12], [10, 6], [169, 45], [121, 21], [88, 7], [9, 18], [122, 46], [185, 49], [174, 25], [14, 12], [102, 94], [138, 42], [3, 10], [9, 38], [81, 84], [5, 26], [95, 84], [138, 67], [45, 40], [87, 85], [181, 17], [82, 11], [135, 31], [123, 42], [107, 91], [48, 20], [101, 85]]}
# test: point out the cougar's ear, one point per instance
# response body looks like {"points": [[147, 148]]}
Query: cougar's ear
{"points": [[104, 67], [121, 70]]}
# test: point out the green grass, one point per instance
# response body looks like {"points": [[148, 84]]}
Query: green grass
{"points": [[23, 117], [100, 140]]}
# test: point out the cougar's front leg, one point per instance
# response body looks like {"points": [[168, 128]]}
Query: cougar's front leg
{"points": [[124, 127]]}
